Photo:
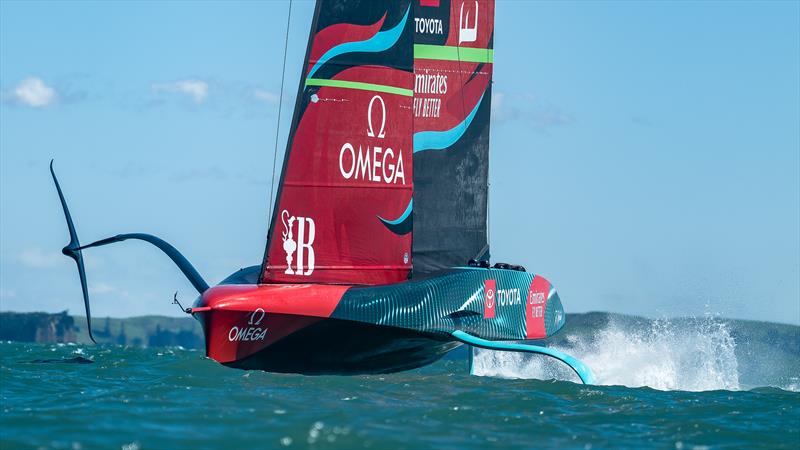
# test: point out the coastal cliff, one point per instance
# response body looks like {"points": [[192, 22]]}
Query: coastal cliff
{"points": [[37, 327]]}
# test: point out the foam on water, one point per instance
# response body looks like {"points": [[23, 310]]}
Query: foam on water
{"points": [[664, 357], [793, 385]]}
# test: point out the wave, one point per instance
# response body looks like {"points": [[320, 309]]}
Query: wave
{"points": [[667, 354]]}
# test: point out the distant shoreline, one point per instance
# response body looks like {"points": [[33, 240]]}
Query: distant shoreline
{"points": [[142, 331]]}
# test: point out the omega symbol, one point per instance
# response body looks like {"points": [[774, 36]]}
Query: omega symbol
{"points": [[371, 131], [257, 313]]}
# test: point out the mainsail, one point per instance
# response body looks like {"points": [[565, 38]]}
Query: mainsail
{"points": [[343, 209], [387, 159], [452, 103]]}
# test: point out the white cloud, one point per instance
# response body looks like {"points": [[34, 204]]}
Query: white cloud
{"points": [[498, 100], [7, 293], [539, 114], [265, 96], [549, 116], [196, 89], [36, 257], [501, 109], [34, 93], [101, 288]]}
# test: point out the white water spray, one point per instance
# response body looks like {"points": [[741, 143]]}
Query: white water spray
{"points": [[665, 357]]}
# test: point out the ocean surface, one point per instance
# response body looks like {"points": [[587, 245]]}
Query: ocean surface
{"points": [[697, 384]]}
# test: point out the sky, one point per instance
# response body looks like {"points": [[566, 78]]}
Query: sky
{"points": [[645, 156]]}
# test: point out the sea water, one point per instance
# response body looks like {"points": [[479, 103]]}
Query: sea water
{"points": [[660, 386]]}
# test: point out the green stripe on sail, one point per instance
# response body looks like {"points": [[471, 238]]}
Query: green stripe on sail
{"points": [[359, 85], [450, 53]]}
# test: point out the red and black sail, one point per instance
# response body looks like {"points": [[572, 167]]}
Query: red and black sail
{"points": [[387, 159], [453, 61], [346, 188]]}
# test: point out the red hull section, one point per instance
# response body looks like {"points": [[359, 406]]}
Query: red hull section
{"points": [[240, 320]]}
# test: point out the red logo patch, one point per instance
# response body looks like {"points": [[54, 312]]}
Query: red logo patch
{"points": [[489, 298], [534, 308], [429, 3]]}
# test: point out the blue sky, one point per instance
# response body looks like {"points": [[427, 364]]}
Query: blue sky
{"points": [[645, 156]]}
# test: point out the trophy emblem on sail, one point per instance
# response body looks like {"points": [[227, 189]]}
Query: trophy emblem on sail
{"points": [[289, 245], [306, 230]]}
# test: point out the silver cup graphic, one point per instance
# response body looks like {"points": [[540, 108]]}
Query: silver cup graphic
{"points": [[289, 245]]}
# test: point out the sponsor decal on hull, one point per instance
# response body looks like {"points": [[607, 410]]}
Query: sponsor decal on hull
{"points": [[494, 298], [508, 297], [535, 307], [243, 319], [489, 299], [252, 332]]}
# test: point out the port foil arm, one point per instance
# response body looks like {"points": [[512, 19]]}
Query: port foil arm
{"points": [[183, 264], [73, 250]]}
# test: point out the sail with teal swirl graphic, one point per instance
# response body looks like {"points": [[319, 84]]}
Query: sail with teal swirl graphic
{"points": [[347, 180], [453, 63]]}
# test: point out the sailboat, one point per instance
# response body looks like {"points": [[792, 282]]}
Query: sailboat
{"points": [[377, 257]]}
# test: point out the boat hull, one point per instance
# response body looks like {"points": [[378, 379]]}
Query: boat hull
{"points": [[320, 329]]}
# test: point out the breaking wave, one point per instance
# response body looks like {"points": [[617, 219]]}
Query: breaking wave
{"points": [[664, 356]]}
